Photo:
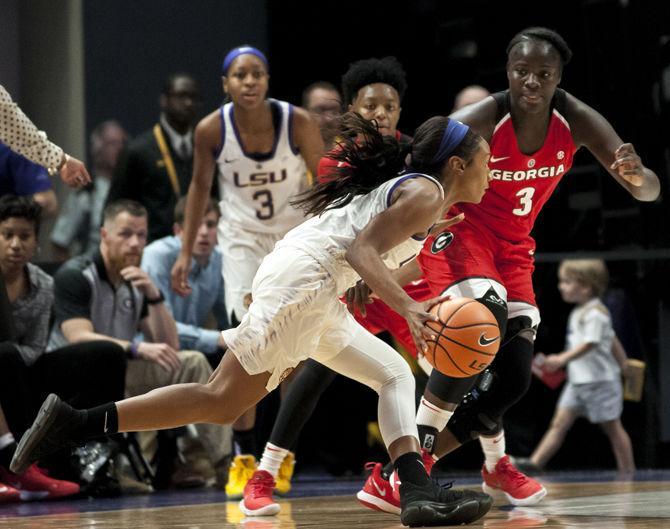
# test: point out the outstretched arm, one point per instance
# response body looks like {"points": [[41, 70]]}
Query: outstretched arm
{"points": [[591, 130], [22, 136]]}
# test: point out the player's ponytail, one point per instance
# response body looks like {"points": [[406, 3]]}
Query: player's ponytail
{"points": [[365, 159]]}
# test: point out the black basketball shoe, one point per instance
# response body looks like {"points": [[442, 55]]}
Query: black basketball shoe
{"points": [[434, 504], [50, 432]]}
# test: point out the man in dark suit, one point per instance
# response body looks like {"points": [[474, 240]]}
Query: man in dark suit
{"points": [[155, 170]]}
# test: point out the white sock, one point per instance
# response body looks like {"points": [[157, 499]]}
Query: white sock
{"points": [[494, 449], [273, 456], [430, 415], [6, 440]]}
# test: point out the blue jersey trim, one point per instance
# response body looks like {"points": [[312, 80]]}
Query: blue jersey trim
{"points": [[217, 152], [259, 157], [402, 179]]}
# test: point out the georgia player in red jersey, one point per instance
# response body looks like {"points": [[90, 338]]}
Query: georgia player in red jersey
{"points": [[534, 129]]}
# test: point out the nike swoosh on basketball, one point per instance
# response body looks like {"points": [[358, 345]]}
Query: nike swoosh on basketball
{"points": [[226, 160], [379, 489], [494, 159], [484, 341]]}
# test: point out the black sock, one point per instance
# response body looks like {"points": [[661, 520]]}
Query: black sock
{"points": [[6, 454], [410, 469], [388, 470], [95, 422], [427, 437], [245, 440]]}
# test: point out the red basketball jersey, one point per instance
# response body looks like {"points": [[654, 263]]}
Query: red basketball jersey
{"points": [[521, 183]]}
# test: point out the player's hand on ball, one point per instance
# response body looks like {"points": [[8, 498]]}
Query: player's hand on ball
{"points": [[417, 314], [628, 164], [358, 297]]}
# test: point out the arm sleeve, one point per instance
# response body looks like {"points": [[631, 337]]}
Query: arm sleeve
{"points": [[19, 133], [72, 295]]}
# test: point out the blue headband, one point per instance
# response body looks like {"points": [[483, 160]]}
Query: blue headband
{"points": [[242, 50], [454, 133]]}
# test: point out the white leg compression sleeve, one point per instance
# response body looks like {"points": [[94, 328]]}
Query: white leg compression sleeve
{"points": [[372, 362]]}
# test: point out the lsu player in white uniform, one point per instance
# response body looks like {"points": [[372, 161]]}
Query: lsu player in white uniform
{"points": [[263, 149], [255, 203], [368, 221]]}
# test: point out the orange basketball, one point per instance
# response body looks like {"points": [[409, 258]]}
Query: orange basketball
{"points": [[467, 338]]}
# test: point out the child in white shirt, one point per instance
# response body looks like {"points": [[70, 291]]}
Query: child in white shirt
{"points": [[594, 359]]}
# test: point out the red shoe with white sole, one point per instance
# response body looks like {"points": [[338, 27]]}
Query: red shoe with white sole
{"points": [[518, 488], [34, 484], [377, 492], [258, 500]]}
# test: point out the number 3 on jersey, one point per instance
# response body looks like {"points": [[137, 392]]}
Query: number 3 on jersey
{"points": [[267, 208], [525, 201]]}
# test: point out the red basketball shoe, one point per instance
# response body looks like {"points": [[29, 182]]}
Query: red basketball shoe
{"points": [[377, 492], [258, 499], [428, 460], [518, 488], [8, 494], [34, 484]]}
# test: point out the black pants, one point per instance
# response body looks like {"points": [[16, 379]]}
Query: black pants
{"points": [[6, 317], [84, 375]]}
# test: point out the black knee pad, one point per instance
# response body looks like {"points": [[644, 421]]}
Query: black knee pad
{"points": [[511, 374], [449, 389], [468, 423], [482, 409]]}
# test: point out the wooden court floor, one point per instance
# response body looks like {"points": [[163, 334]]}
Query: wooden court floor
{"points": [[610, 505]]}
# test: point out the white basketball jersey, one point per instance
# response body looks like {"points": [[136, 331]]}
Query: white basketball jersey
{"points": [[328, 236], [255, 190]]}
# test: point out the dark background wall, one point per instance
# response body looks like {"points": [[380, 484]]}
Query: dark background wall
{"points": [[132, 46], [621, 51]]}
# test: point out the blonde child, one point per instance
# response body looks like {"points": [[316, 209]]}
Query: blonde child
{"points": [[594, 359]]}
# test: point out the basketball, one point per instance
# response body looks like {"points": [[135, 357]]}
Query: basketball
{"points": [[467, 338]]}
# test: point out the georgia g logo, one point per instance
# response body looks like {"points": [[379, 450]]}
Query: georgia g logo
{"points": [[441, 242]]}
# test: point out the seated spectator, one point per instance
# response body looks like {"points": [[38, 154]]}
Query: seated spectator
{"points": [[77, 228], [108, 297], [91, 373], [207, 297]]}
